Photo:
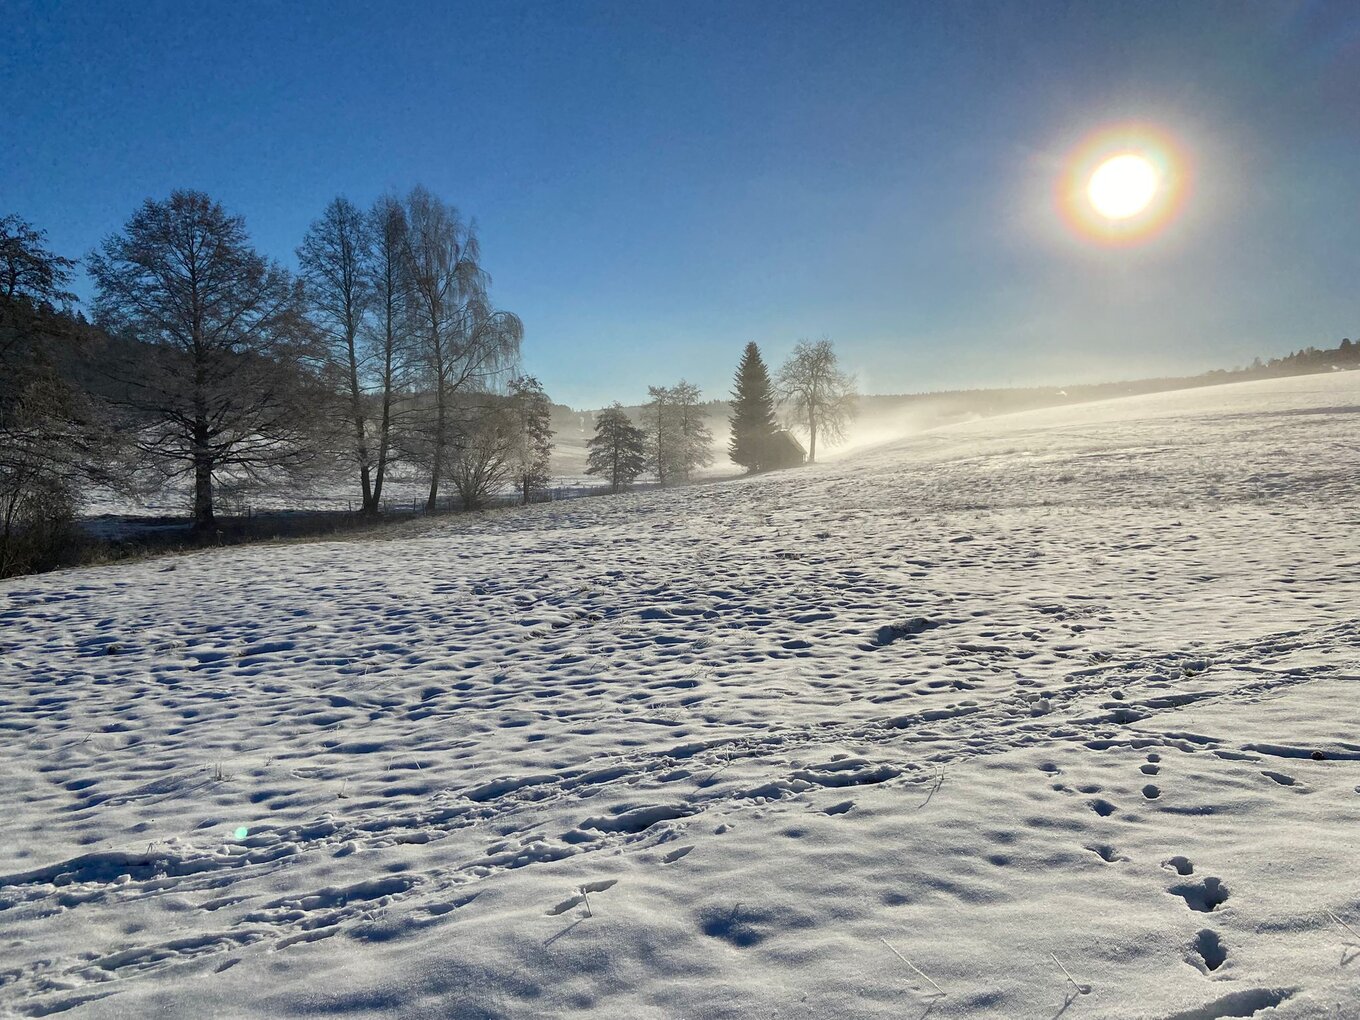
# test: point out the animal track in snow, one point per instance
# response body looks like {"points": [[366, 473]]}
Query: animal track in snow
{"points": [[1151, 792], [1205, 897], [1107, 853], [1180, 865], [1279, 777], [744, 926], [1244, 1003], [891, 632], [1209, 953]]}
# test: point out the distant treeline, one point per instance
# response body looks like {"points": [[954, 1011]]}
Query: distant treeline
{"points": [[209, 369], [987, 402]]}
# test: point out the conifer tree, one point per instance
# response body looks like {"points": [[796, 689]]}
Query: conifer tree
{"points": [[617, 450], [752, 420]]}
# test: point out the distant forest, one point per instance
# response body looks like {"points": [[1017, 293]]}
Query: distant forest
{"points": [[939, 407]]}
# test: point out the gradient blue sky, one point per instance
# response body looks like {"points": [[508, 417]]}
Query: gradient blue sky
{"points": [[657, 183]]}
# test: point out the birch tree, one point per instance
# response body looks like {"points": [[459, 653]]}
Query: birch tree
{"points": [[658, 427], [678, 438], [693, 447], [464, 343]]}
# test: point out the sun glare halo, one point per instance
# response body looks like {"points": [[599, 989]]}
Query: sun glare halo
{"points": [[1123, 184]]}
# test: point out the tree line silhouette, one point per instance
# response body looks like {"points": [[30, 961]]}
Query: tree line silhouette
{"points": [[208, 366]]}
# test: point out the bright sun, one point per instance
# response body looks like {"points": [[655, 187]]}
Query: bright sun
{"points": [[1123, 186]]}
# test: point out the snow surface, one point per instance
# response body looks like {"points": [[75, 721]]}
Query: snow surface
{"points": [[901, 735]]}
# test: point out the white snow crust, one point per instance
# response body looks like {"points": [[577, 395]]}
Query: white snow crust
{"points": [[902, 735]]}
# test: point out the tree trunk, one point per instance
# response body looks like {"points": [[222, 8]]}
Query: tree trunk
{"points": [[384, 426], [812, 439], [203, 494], [360, 440], [440, 424]]}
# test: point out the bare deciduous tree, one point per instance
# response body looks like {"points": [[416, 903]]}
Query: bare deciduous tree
{"points": [[465, 344], [335, 258], [481, 456], [220, 388], [658, 427], [389, 329], [678, 437], [821, 398]]}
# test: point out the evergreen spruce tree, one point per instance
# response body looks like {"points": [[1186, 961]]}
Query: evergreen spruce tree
{"points": [[753, 421], [617, 450]]}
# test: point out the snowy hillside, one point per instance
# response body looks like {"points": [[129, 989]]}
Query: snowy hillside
{"points": [[921, 731]]}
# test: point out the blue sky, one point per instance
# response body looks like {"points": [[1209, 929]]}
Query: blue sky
{"points": [[657, 183]]}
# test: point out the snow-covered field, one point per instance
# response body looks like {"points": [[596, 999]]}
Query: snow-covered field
{"points": [[1076, 689]]}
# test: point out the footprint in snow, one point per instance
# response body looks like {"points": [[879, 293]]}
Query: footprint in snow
{"points": [[1102, 807], [1180, 865], [1205, 896], [1208, 951], [1107, 853], [1279, 777]]}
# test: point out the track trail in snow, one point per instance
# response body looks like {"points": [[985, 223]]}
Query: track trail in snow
{"points": [[1130, 627]]}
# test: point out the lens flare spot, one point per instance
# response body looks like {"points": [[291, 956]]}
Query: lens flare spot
{"points": [[241, 833]]}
